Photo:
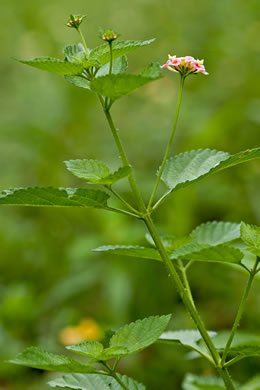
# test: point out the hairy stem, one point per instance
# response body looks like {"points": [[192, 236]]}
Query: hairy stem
{"points": [[240, 312], [111, 58], [117, 378], [168, 149], [123, 157], [170, 268], [185, 280], [112, 373]]}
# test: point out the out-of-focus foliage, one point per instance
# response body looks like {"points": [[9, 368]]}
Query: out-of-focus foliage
{"points": [[54, 290]]}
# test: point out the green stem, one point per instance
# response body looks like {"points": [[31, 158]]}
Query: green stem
{"points": [[111, 58], [240, 312], [123, 157], [223, 372], [185, 280], [168, 149], [117, 378], [181, 289], [83, 40], [112, 373]]}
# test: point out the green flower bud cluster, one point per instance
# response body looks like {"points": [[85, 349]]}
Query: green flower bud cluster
{"points": [[75, 21]]}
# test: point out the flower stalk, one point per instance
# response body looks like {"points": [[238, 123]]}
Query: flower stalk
{"points": [[168, 149]]}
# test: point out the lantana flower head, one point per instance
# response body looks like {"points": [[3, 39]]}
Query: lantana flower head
{"points": [[185, 65]]}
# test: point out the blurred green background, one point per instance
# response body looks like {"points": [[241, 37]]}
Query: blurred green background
{"points": [[49, 278]]}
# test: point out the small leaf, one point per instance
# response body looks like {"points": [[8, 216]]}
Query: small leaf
{"points": [[250, 234], [38, 358], [130, 250], [216, 254], [152, 71], [116, 86], [121, 173], [54, 65], [54, 197], [120, 48], [187, 338], [215, 233], [120, 65], [95, 382], [96, 172], [91, 170], [114, 352], [74, 53], [78, 81], [91, 349], [140, 334], [189, 167], [194, 382]]}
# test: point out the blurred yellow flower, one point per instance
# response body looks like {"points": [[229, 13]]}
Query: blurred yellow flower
{"points": [[88, 329]]}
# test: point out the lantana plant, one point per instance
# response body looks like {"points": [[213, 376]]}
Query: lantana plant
{"points": [[103, 71]]}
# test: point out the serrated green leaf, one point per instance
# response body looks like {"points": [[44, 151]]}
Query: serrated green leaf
{"points": [[54, 197], [130, 250], [187, 338], [96, 351], [74, 53], [91, 348], [120, 48], [215, 233], [54, 65], [152, 71], [95, 382], [96, 172], [217, 254], [38, 358], [250, 234], [189, 167], [116, 86], [120, 65], [78, 81], [114, 352], [140, 334], [194, 382], [252, 384], [121, 173], [91, 170]]}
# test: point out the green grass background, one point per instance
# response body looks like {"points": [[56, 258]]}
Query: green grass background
{"points": [[49, 278]]}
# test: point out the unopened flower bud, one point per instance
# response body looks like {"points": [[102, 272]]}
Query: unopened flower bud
{"points": [[108, 35], [75, 21]]}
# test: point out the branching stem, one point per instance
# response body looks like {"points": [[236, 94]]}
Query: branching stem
{"points": [[111, 372], [240, 312], [170, 268]]}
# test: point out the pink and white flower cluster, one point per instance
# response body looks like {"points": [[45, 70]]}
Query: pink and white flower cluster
{"points": [[185, 65]]}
